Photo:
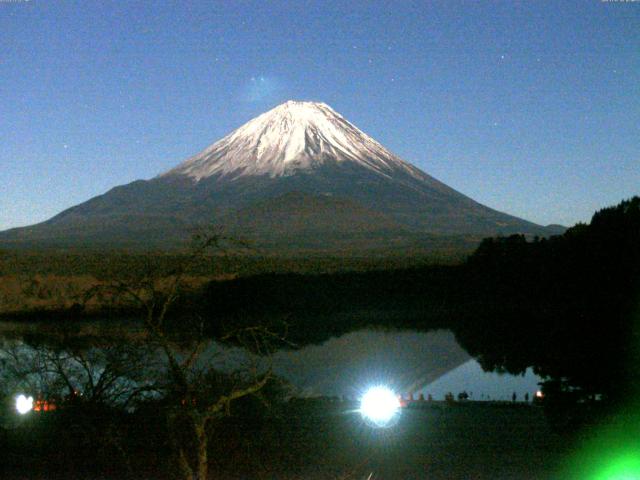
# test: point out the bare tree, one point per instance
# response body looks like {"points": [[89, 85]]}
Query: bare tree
{"points": [[196, 388], [109, 375]]}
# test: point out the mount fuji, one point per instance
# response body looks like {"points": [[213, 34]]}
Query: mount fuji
{"points": [[298, 176]]}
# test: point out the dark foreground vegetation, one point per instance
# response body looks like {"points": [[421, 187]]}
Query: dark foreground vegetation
{"points": [[567, 306], [295, 440]]}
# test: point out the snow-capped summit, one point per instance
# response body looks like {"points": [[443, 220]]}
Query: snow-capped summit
{"points": [[291, 137]]}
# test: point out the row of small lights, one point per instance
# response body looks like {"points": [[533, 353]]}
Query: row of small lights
{"points": [[379, 405]]}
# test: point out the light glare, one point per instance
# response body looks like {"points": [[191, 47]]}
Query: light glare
{"points": [[380, 406], [24, 404]]}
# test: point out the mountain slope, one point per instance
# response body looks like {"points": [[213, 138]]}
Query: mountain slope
{"points": [[298, 171]]}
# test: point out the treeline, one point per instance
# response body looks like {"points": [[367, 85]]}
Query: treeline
{"points": [[567, 306], [113, 263], [318, 307], [43, 283]]}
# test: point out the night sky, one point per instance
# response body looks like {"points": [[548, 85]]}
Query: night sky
{"points": [[532, 108]]}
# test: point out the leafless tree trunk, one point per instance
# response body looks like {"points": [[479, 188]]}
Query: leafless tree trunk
{"points": [[147, 294], [200, 427]]}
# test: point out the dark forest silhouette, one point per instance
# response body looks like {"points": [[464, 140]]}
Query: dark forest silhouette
{"points": [[567, 306]]}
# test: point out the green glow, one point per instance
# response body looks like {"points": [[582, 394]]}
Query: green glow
{"points": [[610, 451], [623, 467]]}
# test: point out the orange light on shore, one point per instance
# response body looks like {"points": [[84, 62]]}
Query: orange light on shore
{"points": [[44, 406]]}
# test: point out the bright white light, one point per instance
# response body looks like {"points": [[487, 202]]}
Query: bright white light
{"points": [[24, 404], [380, 406]]}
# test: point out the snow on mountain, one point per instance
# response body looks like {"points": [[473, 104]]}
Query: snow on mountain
{"points": [[291, 137]]}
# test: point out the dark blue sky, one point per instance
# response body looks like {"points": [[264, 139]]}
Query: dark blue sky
{"points": [[532, 108]]}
